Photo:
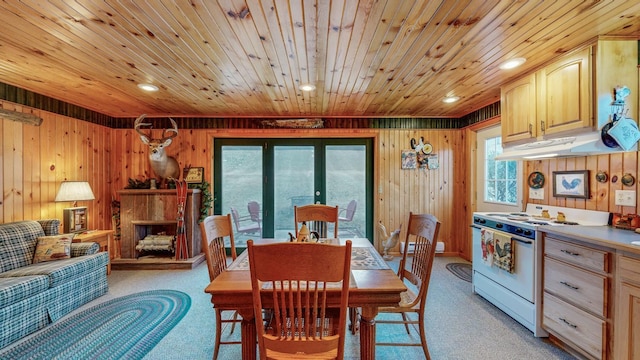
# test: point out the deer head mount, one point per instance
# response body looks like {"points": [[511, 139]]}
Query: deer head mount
{"points": [[165, 167]]}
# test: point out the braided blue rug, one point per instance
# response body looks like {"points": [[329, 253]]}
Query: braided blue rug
{"points": [[126, 327]]}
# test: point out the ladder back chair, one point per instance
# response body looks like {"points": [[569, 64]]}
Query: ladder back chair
{"points": [[317, 217], [215, 229], [423, 231], [308, 298]]}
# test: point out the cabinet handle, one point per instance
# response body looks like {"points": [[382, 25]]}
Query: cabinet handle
{"points": [[542, 125], [568, 323], [570, 253], [569, 285], [530, 129]]}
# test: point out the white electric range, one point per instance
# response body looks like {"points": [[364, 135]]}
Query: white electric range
{"points": [[519, 293]]}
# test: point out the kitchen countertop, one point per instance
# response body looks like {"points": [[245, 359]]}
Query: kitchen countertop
{"points": [[618, 239]]}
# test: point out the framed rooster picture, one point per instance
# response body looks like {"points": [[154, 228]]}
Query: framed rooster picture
{"points": [[573, 184]]}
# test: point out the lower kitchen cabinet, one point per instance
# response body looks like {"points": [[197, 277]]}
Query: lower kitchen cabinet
{"points": [[576, 280], [627, 320]]}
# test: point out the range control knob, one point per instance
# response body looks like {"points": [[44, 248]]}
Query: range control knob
{"points": [[528, 232]]}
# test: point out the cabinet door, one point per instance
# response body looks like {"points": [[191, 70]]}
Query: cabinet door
{"points": [[627, 342], [564, 91], [518, 110]]}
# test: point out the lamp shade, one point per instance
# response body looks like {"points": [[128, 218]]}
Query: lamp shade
{"points": [[74, 191]]}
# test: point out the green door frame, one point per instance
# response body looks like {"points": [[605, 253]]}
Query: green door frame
{"points": [[268, 173]]}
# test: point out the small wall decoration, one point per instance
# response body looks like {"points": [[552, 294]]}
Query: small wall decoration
{"points": [[195, 175], [422, 160], [423, 152], [409, 159], [536, 180], [433, 162], [573, 184], [602, 177], [628, 179]]}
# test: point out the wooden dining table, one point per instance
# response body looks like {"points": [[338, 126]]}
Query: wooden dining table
{"points": [[373, 284]]}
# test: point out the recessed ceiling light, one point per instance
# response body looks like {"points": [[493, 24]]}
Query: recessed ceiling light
{"points": [[148, 87], [513, 63], [307, 87], [451, 99]]}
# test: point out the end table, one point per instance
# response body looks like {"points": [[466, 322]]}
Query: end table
{"points": [[104, 238]]}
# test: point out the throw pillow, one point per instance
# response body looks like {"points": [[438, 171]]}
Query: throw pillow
{"points": [[54, 247]]}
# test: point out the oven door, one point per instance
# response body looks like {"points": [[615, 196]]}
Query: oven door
{"points": [[522, 280]]}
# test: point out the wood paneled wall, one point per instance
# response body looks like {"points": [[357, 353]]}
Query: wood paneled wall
{"points": [[36, 159], [441, 192], [601, 195]]}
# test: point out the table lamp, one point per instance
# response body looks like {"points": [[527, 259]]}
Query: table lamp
{"points": [[74, 218]]}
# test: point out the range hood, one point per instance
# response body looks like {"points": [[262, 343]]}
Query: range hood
{"points": [[578, 145]]}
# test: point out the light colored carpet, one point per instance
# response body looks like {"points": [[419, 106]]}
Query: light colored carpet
{"points": [[460, 325]]}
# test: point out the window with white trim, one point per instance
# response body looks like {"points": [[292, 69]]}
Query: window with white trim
{"points": [[501, 175]]}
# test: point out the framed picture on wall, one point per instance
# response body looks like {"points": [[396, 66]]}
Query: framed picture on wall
{"points": [[195, 175], [409, 159], [573, 184]]}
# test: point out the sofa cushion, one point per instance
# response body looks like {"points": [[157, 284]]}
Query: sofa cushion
{"points": [[17, 244], [16, 289], [64, 270], [24, 317]]}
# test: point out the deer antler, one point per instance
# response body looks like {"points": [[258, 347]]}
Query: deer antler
{"points": [[174, 130], [138, 123]]}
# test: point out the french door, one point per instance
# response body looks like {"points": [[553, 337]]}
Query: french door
{"points": [[281, 173]]}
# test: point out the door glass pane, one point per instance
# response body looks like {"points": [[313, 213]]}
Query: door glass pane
{"points": [[293, 184], [241, 184], [345, 177]]}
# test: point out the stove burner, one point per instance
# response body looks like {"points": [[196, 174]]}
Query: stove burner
{"points": [[566, 222], [536, 222]]}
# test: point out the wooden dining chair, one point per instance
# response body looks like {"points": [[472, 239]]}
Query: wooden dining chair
{"points": [[318, 217], [308, 298], [215, 229], [423, 231]]}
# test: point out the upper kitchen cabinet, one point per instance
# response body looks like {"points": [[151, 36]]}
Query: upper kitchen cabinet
{"points": [[517, 102], [570, 95], [564, 94]]}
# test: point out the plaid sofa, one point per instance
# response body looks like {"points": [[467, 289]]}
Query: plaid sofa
{"points": [[34, 295]]}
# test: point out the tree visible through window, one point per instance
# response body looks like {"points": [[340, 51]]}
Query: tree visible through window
{"points": [[501, 175]]}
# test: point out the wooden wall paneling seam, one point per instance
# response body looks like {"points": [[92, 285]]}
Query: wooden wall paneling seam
{"points": [[32, 172], [602, 201], [591, 164], [48, 159], [616, 168], [13, 158], [3, 206], [629, 165]]}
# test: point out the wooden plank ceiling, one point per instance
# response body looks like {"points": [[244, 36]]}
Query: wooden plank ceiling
{"points": [[247, 58]]}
